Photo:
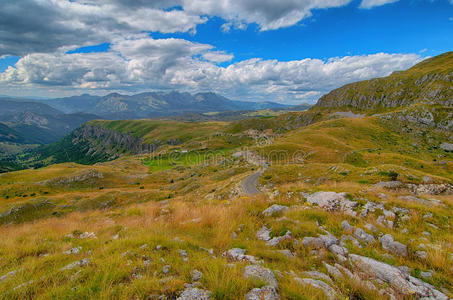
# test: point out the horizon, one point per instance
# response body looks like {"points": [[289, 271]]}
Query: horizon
{"points": [[289, 52]]}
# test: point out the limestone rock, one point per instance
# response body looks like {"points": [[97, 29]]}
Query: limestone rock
{"points": [[401, 282], [390, 245], [275, 209], [363, 236], [327, 289], [192, 293], [260, 273], [238, 254], [264, 293], [332, 201]]}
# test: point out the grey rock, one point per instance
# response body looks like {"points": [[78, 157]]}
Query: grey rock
{"points": [[166, 269], [275, 209], [9, 274], [196, 275], [389, 184], [286, 253], [260, 273], [392, 246], [264, 234], [400, 281], [264, 293], [346, 226], [79, 263], [427, 274], [340, 252], [446, 146], [329, 240], [327, 289], [313, 242], [363, 236], [348, 238], [334, 271], [317, 275], [192, 293], [332, 201], [276, 240], [371, 227], [75, 250], [238, 254]]}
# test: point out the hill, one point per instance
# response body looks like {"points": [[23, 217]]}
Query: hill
{"points": [[429, 82]]}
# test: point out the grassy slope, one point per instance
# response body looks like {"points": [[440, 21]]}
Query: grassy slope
{"points": [[425, 81], [203, 211]]}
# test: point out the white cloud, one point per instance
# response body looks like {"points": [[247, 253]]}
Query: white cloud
{"points": [[161, 64], [268, 14], [367, 4]]}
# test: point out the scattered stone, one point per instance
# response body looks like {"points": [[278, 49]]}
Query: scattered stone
{"points": [[428, 216], [388, 244], [192, 293], [334, 272], [9, 274], [238, 254], [327, 289], [183, 253], [264, 293], [389, 184], [371, 227], [286, 253], [88, 235], [264, 233], [313, 242], [405, 269], [405, 230], [446, 147], [430, 189], [329, 240], [144, 246], [348, 238], [427, 274], [166, 269], [196, 275], [332, 201], [79, 263], [276, 240], [260, 273], [75, 250], [400, 281], [317, 275], [421, 254], [384, 222], [346, 226], [275, 209], [363, 236], [340, 252], [426, 233], [382, 196]]}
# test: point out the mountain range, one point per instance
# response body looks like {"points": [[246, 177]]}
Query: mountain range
{"points": [[153, 104]]}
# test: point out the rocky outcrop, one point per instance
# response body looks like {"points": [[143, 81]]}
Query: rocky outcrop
{"points": [[332, 201], [401, 282]]}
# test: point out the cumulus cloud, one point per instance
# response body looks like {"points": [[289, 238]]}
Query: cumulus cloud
{"points": [[268, 14], [367, 4], [31, 26], [145, 63]]}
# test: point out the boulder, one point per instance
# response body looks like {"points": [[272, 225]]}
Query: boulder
{"points": [[264, 293], [276, 240], [327, 289], [446, 147], [196, 275], [192, 293], [260, 273], [401, 282], [363, 236], [238, 254], [264, 234], [313, 242], [275, 209], [388, 244], [389, 184], [332, 201], [346, 226]]}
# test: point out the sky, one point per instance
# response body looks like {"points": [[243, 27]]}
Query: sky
{"points": [[288, 51]]}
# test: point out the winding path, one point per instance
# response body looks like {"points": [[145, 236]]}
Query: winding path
{"points": [[249, 183]]}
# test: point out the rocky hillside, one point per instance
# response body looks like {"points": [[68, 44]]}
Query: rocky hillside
{"points": [[429, 82]]}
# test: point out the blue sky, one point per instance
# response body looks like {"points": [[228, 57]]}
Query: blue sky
{"points": [[286, 51]]}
